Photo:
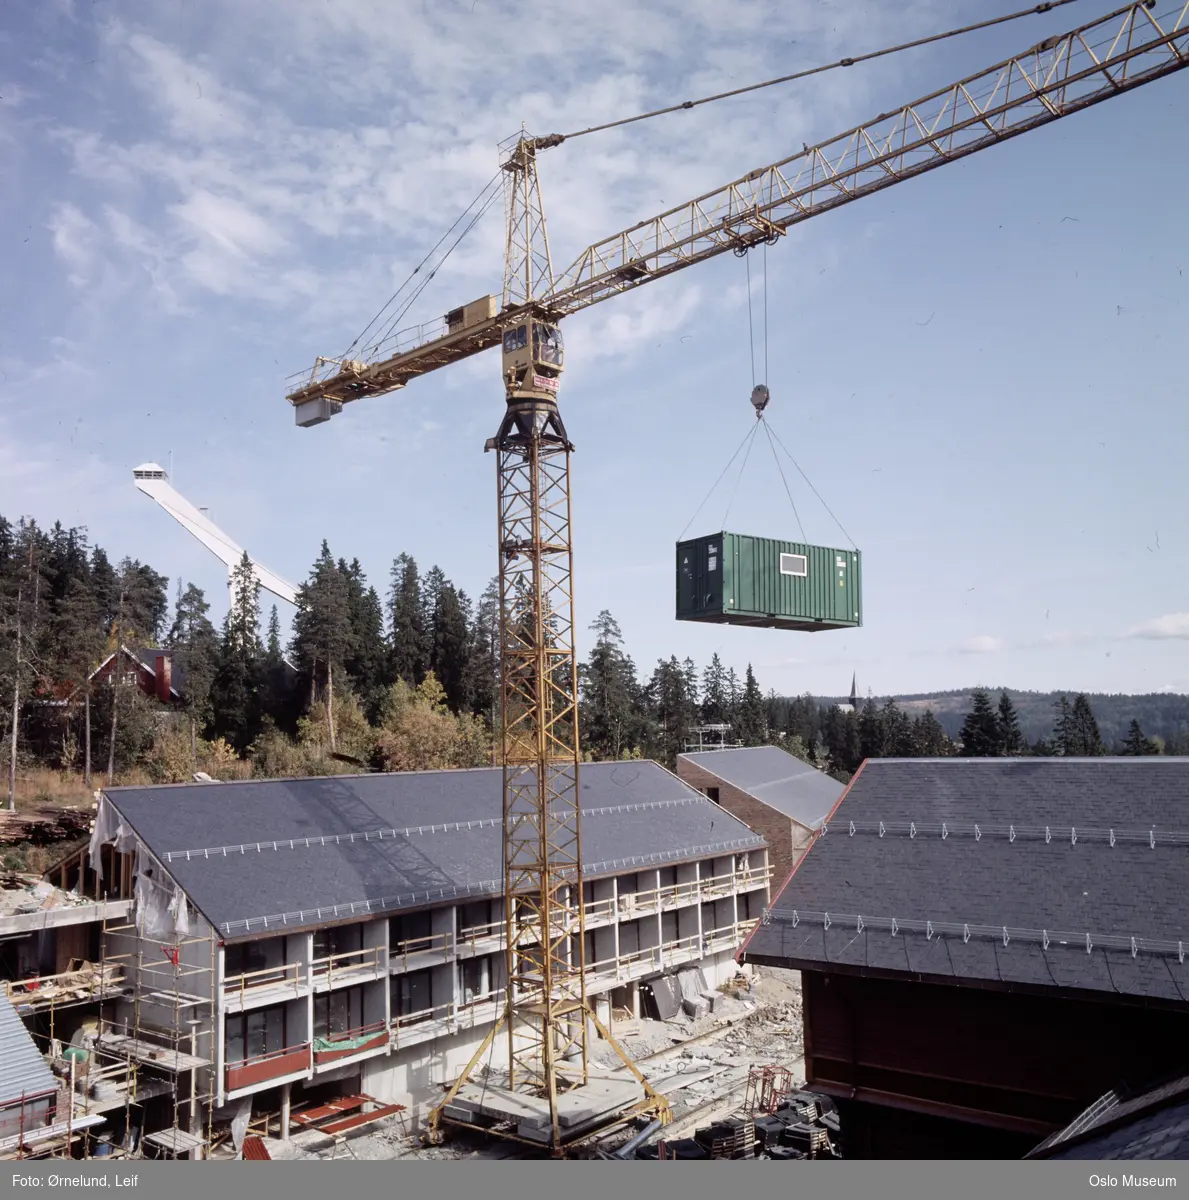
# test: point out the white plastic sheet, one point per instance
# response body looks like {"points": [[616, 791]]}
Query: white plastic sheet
{"points": [[239, 1123], [161, 908], [109, 830]]}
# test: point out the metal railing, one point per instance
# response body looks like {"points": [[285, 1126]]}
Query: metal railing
{"points": [[372, 1030], [445, 1018], [265, 980], [264, 1059], [348, 965], [434, 942], [88, 982], [473, 934]]}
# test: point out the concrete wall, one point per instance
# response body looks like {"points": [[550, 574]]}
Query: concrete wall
{"points": [[787, 839]]}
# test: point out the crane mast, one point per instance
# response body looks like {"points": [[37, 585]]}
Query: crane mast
{"points": [[546, 1016]]}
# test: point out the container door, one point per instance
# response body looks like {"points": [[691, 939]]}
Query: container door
{"points": [[744, 577], [714, 560], [687, 585]]}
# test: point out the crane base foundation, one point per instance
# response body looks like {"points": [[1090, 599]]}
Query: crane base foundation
{"points": [[582, 1111]]}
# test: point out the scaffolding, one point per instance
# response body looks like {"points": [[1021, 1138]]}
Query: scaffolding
{"points": [[142, 1047], [768, 1087], [161, 1027], [710, 737]]}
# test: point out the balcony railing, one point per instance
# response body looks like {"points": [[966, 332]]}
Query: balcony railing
{"points": [[600, 910], [472, 936], [351, 966], [410, 1028], [87, 981], [273, 1064], [332, 1047], [268, 984], [400, 954], [625, 967]]}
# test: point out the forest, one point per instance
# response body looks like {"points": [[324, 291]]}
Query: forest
{"points": [[407, 680]]}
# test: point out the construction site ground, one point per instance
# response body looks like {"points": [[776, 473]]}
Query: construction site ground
{"points": [[701, 1065]]}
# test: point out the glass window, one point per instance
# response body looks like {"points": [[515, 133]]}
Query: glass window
{"points": [[244, 957], [250, 1035], [408, 927], [342, 939], [477, 914], [474, 978], [547, 344], [337, 1013], [412, 993], [516, 339]]}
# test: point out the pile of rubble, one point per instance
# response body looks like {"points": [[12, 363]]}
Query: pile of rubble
{"points": [[46, 825], [23, 894]]}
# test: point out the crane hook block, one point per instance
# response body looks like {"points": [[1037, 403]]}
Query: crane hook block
{"points": [[759, 398]]}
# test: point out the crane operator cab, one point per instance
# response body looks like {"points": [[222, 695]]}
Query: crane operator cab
{"points": [[533, 360]]}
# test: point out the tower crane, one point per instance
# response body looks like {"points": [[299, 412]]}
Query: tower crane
{"points": [[546, 1016]]}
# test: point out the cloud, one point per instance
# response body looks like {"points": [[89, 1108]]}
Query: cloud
{"points": [[239, 186], [1173, 626], [73, 234], [982, 644]]}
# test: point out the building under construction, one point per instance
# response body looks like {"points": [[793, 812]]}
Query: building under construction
{"points": [[260, 952]]}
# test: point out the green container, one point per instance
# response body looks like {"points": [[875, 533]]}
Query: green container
{"points": [[734, 579]]}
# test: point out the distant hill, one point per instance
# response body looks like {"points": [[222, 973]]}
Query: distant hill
{"points": [[1160, 714]]}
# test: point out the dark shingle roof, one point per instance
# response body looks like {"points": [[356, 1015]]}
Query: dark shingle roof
{"points": [[23, 1071], [1046, 872], [776, 779], [434, 835], [1148, 1125]]}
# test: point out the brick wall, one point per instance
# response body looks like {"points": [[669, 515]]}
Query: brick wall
{"points": [[787, 839]]}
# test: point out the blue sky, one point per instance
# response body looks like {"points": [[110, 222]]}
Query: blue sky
{"points": [[982, 370]]}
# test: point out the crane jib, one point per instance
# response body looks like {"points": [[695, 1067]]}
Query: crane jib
{"points": [[1060, 76]]}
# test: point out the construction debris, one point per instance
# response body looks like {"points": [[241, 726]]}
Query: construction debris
{"points": [[22, 894], [83, 981], [46, 825]]}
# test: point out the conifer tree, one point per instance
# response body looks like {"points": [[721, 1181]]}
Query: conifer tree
{"points": [[322, 634], [871, 734], [1137, 745], [366, 660], [1087, 741], [195, 648], [450, 644], [608, 694], [980, 735], [236, 687], [408, 631], [1011, 740], [714, 692], [751, 727], [483, 656]]}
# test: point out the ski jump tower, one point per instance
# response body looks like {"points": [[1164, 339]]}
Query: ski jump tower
{"points": [[154, 482]]}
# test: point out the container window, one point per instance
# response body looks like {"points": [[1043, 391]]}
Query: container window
{"points": [[794, 564]]}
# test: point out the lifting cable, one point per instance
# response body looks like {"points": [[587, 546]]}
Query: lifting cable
{"points": [[742, 471], [484, 201], [719, 480], [391, 327], [787, 491], [814, 490], [842, 62]]}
